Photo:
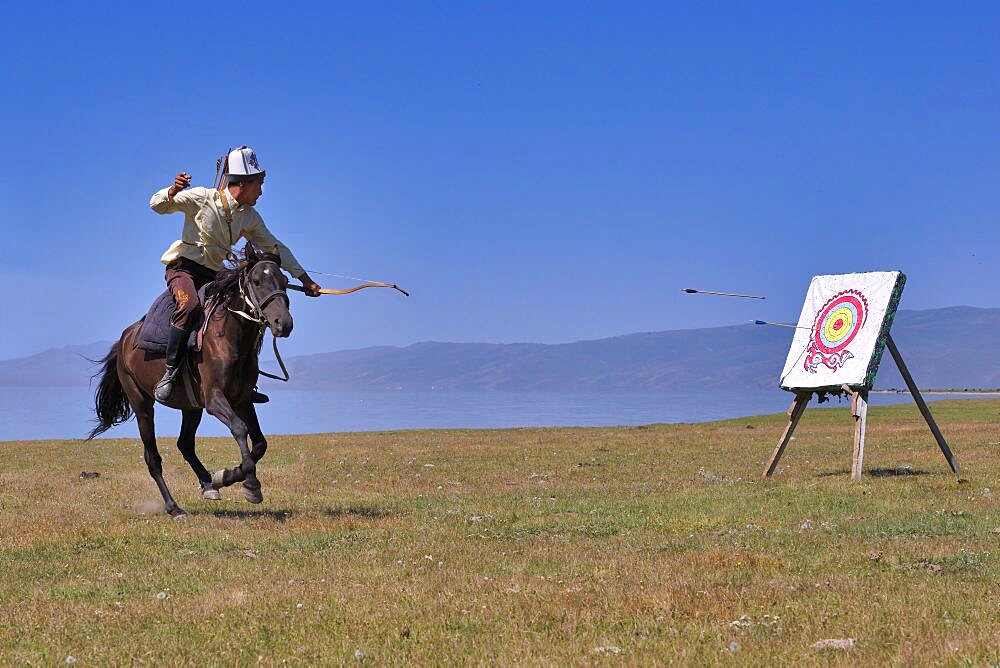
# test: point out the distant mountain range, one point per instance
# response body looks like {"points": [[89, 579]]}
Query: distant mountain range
{"points": [[952, 347]]}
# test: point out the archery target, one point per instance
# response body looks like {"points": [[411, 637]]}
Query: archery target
{"points": [[841, 331], [839, 321]]}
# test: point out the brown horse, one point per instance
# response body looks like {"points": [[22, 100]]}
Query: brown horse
{"points": [[240, 304]]}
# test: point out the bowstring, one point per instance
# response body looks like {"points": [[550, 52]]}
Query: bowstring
{"points": [[352, 278]]}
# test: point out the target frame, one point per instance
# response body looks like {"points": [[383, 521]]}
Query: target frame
{"points": [[841, 332]]}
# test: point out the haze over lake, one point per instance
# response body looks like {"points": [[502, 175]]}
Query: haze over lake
{"points": [[66, 412], [674, 376]]}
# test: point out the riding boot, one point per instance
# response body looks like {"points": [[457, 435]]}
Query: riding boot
{"points": [[176, 345], [258, 397]]}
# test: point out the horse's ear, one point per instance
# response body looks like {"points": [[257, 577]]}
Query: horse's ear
{"points": [[250, 251], [277, 254]]}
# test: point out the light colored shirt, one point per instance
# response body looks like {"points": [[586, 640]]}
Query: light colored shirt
{"points": [[207, 237]]}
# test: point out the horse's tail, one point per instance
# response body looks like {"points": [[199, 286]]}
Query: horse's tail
{"points": [[110, 403]]}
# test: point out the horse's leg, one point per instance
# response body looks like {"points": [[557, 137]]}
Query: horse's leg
{"points": [[249, 415], [186, 444], [219, 406], [142, 406]]}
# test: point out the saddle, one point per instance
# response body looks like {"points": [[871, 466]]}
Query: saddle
{"points": [[152, 335]]}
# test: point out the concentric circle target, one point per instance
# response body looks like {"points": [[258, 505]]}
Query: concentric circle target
{"points": [[839, 321]]}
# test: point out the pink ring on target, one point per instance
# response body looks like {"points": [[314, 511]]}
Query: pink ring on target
{"points": [[839, 321]]}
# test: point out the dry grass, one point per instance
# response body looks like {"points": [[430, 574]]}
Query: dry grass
{"points": [[531, 546]]}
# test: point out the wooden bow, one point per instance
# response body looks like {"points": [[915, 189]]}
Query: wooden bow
{"points": [[327, 291]]}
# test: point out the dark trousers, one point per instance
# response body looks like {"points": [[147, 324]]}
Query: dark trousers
{"points": [[184, 278]]}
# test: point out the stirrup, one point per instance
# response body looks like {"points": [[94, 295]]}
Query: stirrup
{"points": [[258, 397], [165, 387]]}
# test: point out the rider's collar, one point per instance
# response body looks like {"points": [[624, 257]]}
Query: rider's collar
{"points": [[236, 206]]}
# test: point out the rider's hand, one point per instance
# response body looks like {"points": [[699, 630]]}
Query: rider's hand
{"points": [[311, 287], [181, 181]]}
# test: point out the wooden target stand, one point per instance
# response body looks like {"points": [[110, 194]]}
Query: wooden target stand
{"points": [[859, 409]]}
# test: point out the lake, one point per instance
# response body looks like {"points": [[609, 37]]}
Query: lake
{"points": [[298, 412]]}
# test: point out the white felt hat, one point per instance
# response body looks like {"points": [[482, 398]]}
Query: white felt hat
{"points": [[243, 164]]}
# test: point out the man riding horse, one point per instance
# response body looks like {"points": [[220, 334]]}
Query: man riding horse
{"points": [[214, 219]]}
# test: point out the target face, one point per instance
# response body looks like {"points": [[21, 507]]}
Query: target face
{"points": [[839, 321], [842, 331]]}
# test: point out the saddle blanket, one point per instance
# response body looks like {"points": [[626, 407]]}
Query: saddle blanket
{"points": [[156, 324]]}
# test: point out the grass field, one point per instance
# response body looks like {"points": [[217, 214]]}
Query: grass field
{"points": [[656, 544]]}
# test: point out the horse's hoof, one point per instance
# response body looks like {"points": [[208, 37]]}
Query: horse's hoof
{"points": [[210, 493], [217, 479], [252, 495], [178, 514]]}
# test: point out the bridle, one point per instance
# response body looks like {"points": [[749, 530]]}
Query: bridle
{"points": [[250, 298], [255, 313]]}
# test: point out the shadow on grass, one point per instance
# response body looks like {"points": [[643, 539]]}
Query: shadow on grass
{"points": [[897, 472], [285, 515], [357, 511], [836, 472], [276, 515]]}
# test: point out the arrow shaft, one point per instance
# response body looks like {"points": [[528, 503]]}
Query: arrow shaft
{"points": [[777, 324], [693, 291]]}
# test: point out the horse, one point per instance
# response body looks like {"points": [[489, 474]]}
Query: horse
{"points": [[239, 305]]}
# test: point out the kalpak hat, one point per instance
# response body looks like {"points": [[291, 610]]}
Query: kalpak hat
{"points": [[242, 165]]}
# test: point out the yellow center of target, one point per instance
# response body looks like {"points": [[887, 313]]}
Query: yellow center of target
{"points": [[838, 325]]}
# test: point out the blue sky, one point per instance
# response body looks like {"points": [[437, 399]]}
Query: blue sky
{"points": [[528, 171]]}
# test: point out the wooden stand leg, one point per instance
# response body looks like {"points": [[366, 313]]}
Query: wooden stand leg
{"points": [[795, 412], [926, 412], [859, 409]]}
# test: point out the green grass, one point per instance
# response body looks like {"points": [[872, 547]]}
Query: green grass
{"points": [[656, 544]]}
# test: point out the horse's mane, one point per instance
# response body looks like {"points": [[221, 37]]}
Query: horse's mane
{"points": [[227, 280]]}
